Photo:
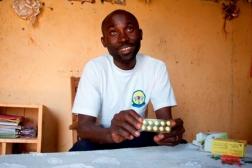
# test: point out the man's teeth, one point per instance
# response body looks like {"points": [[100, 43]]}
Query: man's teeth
{"points": [[125, 49]]}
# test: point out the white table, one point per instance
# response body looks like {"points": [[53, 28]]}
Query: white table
{"points": [[181, 156]]}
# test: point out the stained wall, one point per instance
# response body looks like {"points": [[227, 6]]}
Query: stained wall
{"points": [[210, 70]]}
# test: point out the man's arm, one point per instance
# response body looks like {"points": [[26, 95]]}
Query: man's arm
{"points": [[124, 125], [175, 136], [88, 129]]}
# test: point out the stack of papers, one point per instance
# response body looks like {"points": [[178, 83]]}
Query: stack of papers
{"points": [[10, 126]]}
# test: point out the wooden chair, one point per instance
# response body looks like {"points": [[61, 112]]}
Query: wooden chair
{"points": [[74, 85]]}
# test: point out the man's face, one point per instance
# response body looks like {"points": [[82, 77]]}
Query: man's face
{"points": [[122, 37]]}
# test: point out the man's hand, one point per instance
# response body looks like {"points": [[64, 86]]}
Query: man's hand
{"points": [[172, 138], [125, 125]]}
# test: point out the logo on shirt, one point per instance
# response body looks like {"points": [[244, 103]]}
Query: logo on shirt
{"points": [[138, 98]]}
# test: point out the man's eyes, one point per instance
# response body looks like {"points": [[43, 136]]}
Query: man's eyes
{"points": [[130, 29], [113, 33]]}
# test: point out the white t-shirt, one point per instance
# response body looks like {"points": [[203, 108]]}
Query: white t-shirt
{"points": [[104, 89]]}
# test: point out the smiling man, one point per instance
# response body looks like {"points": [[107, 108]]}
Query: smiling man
{"points": [[115, 89], [122, 37]]}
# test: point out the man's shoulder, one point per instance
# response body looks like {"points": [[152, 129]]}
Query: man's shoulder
{"points": [[101, 59], [147, 59]]}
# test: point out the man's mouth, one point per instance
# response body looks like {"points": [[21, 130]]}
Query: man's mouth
{"points": [[126, 50]]}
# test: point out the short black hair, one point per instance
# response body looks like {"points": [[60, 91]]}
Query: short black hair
{"points": [[115, 12]]}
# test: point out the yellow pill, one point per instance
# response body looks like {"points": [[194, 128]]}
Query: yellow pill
{"points": [[168, 123], [162, 123], [143, 128], [155, 128], [167, 129], [148, 128], [150, 122], [161, 128], [156, 123], [144, 122]]}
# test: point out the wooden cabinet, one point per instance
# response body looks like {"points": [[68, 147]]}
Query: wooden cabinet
{"points": [[33, 114]]}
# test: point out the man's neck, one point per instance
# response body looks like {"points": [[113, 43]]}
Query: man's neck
{"points": [[125, 65]]}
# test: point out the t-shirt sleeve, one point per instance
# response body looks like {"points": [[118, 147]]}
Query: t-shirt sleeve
{"points": [[87, 100], [162, 94]]}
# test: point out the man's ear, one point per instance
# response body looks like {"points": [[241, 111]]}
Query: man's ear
{"points": [[103, 42], [141, 34]]}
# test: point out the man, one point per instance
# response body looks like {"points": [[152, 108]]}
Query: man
{"points": [[115, 88]]}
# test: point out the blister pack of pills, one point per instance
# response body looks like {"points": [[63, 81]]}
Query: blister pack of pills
{"points": [[156, 125]]}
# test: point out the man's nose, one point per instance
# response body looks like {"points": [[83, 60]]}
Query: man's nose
{"points": [[123, 37]]}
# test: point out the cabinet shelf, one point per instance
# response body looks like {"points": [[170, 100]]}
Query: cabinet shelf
{"points": [[20, 140], [32, 114]]}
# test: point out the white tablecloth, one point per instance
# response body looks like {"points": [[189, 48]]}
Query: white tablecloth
{"points": [[181, 156]]}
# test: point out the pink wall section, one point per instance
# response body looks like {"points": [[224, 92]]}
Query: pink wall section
{"points": [[210, 72]]}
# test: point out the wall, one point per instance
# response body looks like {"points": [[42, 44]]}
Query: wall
{"points": [[209, 70]]}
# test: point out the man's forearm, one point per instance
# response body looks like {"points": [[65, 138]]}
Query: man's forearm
{"points": [[164, 113], [95, 134]]}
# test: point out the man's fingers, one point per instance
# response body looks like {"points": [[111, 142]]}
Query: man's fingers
{"points": [[118, 138], [123, 133], [130, 129], [173, 137], [134, 119], [131, 117], [158, 137], [177, 131], [162, 139], [136, 115], [126, 125], [177, 123]]}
